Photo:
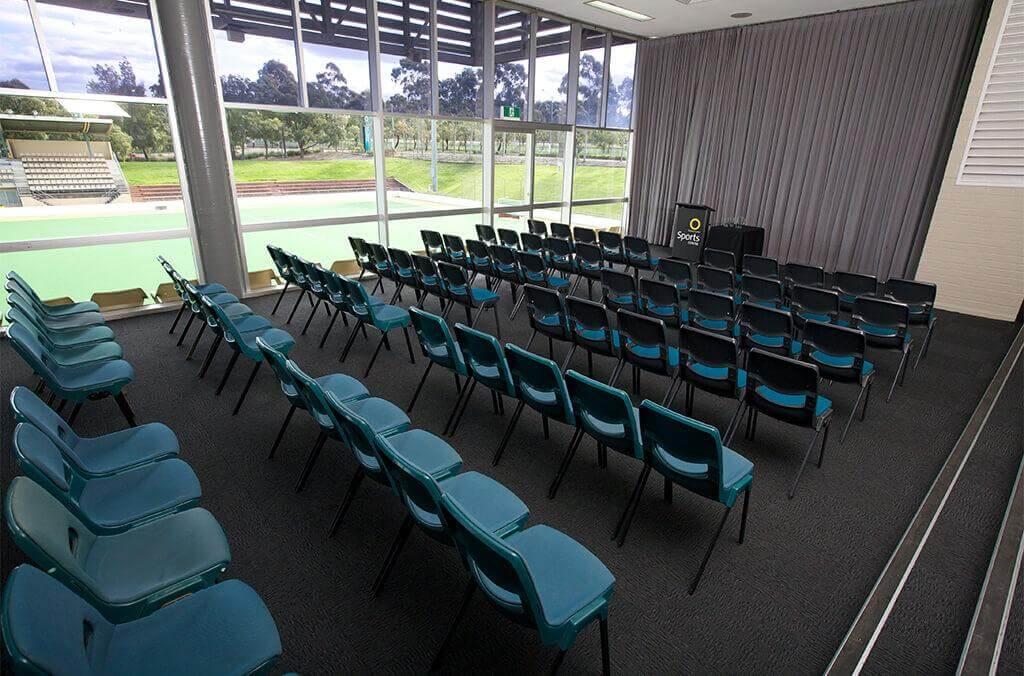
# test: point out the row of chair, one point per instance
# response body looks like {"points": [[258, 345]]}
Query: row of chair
{"points": [[69, 348], [685, 451], [536, 575], [132, 562]]}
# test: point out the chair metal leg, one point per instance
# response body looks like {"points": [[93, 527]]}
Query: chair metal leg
{"points": [[126, 409], [184, 331], [529, 343], [419, 387], [867, 395], [177, 317], [209, 355], [351, 339], [195, 341], [60, 406], [606, 660], [408, 344], [515, 310], [245, 390], [466, 598], [566, 460], [803, 463], [568, 357], [462, 411], [616, 371], [711, 548], [638, 489], [330, 325], [295, 307], [350, 494], [314, 453], [280, 296], [39, 387], [743, 517], [733, 423], [280, 434], [376, 352], [923, 354], [74, 413], [853, 412], [392, 557], [558, 662], [824, 441], [896, 378], [670, 392], [470, 319], [546, 426], [508, 433], [455, 409], [227, 372], [497, 320], [312, 314]]}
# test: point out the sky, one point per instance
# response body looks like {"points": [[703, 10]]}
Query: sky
{"points": [[24, 62]]}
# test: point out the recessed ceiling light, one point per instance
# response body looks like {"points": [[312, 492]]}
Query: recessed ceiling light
{"points": [[615, 9], [741, 15]]}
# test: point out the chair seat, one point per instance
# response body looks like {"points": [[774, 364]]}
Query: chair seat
{"points": [[493, 506], [222, 298], [795, 401], [128, 567], [236, 311], [78, 355], [557, 283], [841, 361], [484, 297], [139, 494], [387, 317], [76, 382], [824, 318], [439, 353], [72, 321], [251, 323], [124, 449], [655, 352], [567, 576], [774, 342], [281, 341], [737, 471], [429, 452], [382, 416], [210, 288], [718, 373], [600, 335], [612, 434], [66, 309], [81, 336]]}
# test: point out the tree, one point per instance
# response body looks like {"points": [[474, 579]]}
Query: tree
{"points": [[620, 101], [414, 78], [119, 80], [238, 89], [589, 89], [267, 127], [240, 128], [460, 95], [147, 126], [13, 83], [330, 90], [120, 143], [275, 84], [509, 84]]}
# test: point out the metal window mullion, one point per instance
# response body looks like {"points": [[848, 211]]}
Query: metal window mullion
{"points": [[377, 106], [91, 240], [488, 84], [373, 45], [531, 73], [573, 76], [300, 59], [435, 103], [44, 52], [568, 171], [530, 156], [606, 74]]}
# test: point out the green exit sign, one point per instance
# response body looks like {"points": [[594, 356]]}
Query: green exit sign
{"points": [[511, 113]]}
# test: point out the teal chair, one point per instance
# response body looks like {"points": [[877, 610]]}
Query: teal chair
{"points": [[438, 347], [175, 283], [56, 320], [538, 384], [383, 417], [710, 362], [241, 337], [71, 355], [604, 413], [838, 353], [919, 297], [76, 384], [384, 318], [110, 504], [787, 390], [886, 325], [690, 454], [96, 456], [644, 347], [20, 312], [48, 629], [83, 307], [360, 434], [538, 577], [344, 386], [126, 575], [485, 364], [419, 484], [461, 292], [194, 297]]}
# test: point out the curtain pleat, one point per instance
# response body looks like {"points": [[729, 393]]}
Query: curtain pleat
{"points": [[828, 131]]}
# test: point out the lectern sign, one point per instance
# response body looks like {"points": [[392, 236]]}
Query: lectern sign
{"points": [[689, 229]]}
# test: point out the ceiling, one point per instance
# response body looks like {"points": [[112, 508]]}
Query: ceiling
{"points": [[671, 17]]}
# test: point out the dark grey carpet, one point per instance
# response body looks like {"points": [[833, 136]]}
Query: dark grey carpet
{"points": [[1011, 660], [779, 603], [930, 621]]}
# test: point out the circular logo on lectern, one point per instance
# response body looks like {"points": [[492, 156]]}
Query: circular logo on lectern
{"points": [[695, 224]]}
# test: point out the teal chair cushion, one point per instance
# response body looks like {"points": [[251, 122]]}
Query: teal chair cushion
{"points": [[139, 494], [483, 296], [275, 338], [75, 308], [82, 336], [718, 373], [77, 355], [821, 405], [124, 449], [387, 317], [382, 416], [77, 382], [654, 352], [841, 361], [212, 287], [549, 555], [427, 451], [493, 506], [737, 472]]}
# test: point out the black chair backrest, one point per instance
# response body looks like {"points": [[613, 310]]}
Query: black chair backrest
{"points": [[580, 234], [833, 339], [537, 227], [911, 292], [714, 279], [782, 374], [589, 253], [676, 270], [762, 289], [557, 246], [503, 255], [400, 258], [378, 254], [508, 237], [543, 301], [644, 331], [854, 283], [617, 283], [453, 275], [765, 321], [432, 240], [453, 244], [561, 230], [659, 293], [487, 234], [815, 300], [477, 249], [587, 313], [611, 242], [711, 305], [638, 246], [717, 258], [425, 266], [531, 242], [762, 266], [806, 275], [704, 347], [878, 312], [531, 262]]}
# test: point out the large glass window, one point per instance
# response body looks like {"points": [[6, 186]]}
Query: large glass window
{"points": [[621, 66], [255, 44], [552, 79], [335, 51], [98, 50], [511, 168], [327, 245], [404, 55], [432, 164], [511, 61], [599, 173], [460, 57], [301, 166], [548, 165], [21, 67], [588, 99]]}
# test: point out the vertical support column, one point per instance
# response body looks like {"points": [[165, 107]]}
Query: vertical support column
{"points": [[571, 97], [188, 45], [606, 74], [377, 105], [487, 92]]}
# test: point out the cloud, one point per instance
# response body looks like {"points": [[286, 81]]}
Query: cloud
{"points": [[22, 61]]}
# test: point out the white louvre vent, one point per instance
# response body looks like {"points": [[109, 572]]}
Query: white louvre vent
{"points": [[995, 150]]}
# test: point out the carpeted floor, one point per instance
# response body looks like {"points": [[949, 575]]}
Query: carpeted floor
{"points": [[780, 603]]}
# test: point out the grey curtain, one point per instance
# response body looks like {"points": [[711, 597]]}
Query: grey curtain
{"points": [[831, 132]]}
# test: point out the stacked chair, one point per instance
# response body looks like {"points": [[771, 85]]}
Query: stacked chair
{"points": [[69, 348], [132, 562]]}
